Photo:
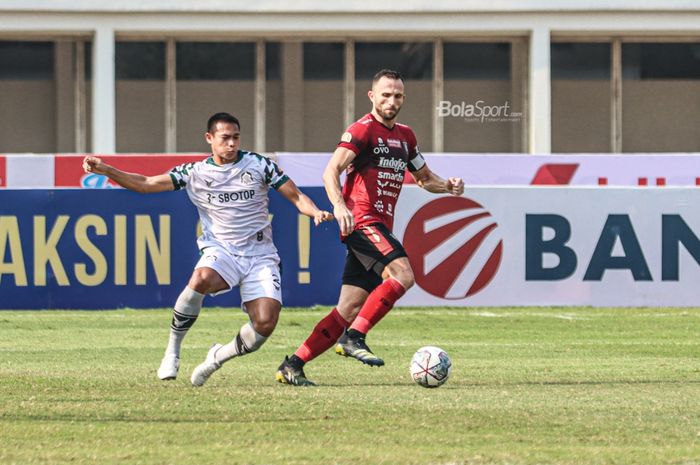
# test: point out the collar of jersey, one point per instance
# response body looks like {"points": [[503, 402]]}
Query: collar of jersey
{"points": [[377, 121], [211, 161]]}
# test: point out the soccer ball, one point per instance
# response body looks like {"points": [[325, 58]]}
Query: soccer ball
{"points": [[430, 366]]}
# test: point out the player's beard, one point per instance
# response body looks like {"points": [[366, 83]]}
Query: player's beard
{"points": [[389, 114]]}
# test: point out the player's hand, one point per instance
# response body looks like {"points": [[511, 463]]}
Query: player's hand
{"points": [[455, 186], [94, 165], [321, 216], [346, 221]]}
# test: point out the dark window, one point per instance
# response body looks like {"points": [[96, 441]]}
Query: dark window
{"points": [[476, 61], [26, 60], [580, 60], [273, 63], [661, 61], [215, 61], [414, 60], [88, 60], [140, 60], [324, 61]]}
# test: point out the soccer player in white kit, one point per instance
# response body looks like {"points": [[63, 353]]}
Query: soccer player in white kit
{"points": [[230, 191]]}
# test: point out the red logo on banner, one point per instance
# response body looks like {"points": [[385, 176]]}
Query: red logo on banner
{"points": [[3, 172], [453, 247]]}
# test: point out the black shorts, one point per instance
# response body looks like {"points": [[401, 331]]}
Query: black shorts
{"points": [[370, 249]]}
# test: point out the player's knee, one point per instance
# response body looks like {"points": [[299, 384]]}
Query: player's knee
{"points": [[198, 281], [265, 324], [205, 281], [350, 310], [406, 278], [410, 282]]}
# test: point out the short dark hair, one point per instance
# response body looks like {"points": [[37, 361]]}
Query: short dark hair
{"points": [[221, 118], [389, 73]]}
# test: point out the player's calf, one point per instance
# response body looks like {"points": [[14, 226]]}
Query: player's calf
{"points": [[185, 313], [246, 341]]}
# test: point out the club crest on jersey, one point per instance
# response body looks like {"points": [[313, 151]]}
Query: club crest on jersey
{"points": [[346, 137], [247, 178]]}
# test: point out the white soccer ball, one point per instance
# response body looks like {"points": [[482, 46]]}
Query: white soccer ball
{"points": [[430, 366]]}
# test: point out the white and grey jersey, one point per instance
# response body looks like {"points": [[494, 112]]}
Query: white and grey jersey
{"points": [[232, 201]]}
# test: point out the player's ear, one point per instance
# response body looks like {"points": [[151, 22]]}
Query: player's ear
{"points": [[208, 137], [370, 94]]}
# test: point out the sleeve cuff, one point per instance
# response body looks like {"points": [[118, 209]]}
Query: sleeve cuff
{"points": [[279, 183]]}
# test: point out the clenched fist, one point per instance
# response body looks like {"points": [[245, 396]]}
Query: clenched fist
{"points": [[455, 186], [94, 165]]}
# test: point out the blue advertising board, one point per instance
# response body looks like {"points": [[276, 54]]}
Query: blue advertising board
{"points": [[102, 249]]}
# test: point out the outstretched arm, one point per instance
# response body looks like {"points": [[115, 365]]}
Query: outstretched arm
{"points": [[132, 181], [435, 184], [304, 204], [340, 160]]}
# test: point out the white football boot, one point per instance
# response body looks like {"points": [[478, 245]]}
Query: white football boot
{"points": [[168, 367], [204, 370]]}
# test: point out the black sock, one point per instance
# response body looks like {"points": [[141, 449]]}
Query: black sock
{"points": [[355, 334], [296, 362]]}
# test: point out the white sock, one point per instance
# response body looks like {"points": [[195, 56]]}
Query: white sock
{"points": [[246, 341], [187, 308]]}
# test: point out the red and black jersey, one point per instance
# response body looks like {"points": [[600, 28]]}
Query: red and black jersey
{"points": [[375, 176]]}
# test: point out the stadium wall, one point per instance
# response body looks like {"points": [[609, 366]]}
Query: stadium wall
{"points": [[105, 113]]}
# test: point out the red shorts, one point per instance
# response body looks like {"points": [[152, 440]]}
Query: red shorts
{"points": [[370, 249]]}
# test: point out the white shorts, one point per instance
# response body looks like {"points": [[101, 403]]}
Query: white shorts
{"points": [[257, 276]]}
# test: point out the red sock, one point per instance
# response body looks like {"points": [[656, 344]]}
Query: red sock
{"points": [[324, 335], [378, 304]]}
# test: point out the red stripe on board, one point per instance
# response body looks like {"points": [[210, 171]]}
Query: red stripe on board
{"points": [[68, 171], [554, 174]]}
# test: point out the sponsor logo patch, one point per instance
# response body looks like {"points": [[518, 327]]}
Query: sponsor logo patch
{"points": [[396, 164]]}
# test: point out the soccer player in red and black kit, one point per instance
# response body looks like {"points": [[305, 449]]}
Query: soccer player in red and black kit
{"points": [[375, 150]]}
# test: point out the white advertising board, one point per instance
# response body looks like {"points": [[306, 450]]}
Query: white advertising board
{"points": [[522, 246], [673, 169]]}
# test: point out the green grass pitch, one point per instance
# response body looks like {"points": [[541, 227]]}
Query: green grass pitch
{"points": [[528, 386]]}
